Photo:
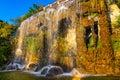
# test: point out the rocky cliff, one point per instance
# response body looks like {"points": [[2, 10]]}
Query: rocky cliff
{"points": [[71, 34]]}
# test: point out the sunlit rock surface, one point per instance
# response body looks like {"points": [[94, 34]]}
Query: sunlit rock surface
{"points": [[114, 13], [70, 34]]}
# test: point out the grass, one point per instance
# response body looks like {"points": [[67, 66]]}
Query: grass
{"points": [[25, 76]]}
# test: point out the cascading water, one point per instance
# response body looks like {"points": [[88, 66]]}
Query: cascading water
{"points": [[50, 13], [41, 36], [54, 36], [18, 62]]}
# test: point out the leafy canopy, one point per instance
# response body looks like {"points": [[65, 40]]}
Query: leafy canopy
{"points": [[6, 31]]}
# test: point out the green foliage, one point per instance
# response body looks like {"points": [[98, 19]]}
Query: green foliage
{"points": [[62, 46], [118, 22], [6, 32], [35, 9], [16, 22], [91, 14], [31, 11], [97, 55], [94, 14], [90, 43], [32, 44], [44, 62], [5, 52], [117, 2], [99, 45], [116, 44]]}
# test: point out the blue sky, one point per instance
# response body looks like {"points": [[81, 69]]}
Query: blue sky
{"points": [[16, 8]]}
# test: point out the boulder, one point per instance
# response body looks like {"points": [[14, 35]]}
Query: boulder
{"points": [[32, 67], [15, 66], [51, 71], [56, 70], [114, 13], [50, 75]]}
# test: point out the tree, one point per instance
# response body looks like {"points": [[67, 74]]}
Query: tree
{"points": [[6, 33], [32, 10]]}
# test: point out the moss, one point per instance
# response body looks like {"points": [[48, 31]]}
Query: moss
{"points": [[93, 14], [117, 24], [116, 44], [97, 55], [62, 46], [90, 44], [32, 44], [99, 45]]}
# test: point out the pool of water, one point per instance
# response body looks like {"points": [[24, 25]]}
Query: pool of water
{"points": [[18, 75]]}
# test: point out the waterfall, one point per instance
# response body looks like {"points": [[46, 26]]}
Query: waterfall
{"points": [[18, 51], [39, 35], [50, 13], [60, 37]]}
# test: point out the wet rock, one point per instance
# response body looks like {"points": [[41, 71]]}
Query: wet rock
{"points": [[55, 71], [76, 73], [32, 67], [50, 75], [51, 71], [15, 66], [11, 67]]}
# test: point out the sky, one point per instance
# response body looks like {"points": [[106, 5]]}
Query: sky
{"points": [[11, 9]]}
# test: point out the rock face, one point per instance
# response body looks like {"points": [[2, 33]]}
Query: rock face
{"points": [[115, 12], [97, 56], [32, 67], [70, 34]]}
